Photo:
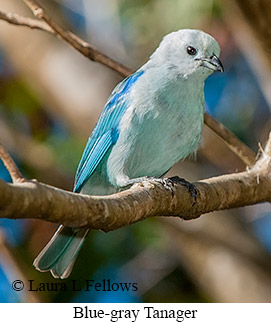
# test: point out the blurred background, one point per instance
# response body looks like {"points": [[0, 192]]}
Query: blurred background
{"points": [[50, 99]]}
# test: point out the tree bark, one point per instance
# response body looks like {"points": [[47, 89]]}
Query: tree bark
{"points": [[31, 199]]}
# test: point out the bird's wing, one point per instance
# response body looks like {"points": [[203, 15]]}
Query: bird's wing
{"points": [[105, 134]]}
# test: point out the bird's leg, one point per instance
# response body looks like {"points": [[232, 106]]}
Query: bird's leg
{"points": [[125, 181], [178, 180], [168, 183]]}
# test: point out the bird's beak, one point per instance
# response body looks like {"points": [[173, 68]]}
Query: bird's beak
{"points": [[213, 63]]}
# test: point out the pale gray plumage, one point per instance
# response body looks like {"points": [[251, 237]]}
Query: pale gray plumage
{"points": [[153, 119]]}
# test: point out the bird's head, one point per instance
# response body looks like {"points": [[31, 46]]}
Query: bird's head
{"points": [[189, 52]]}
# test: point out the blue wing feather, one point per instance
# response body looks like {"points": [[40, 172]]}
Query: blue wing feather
{"points": [[97, 152], [105, 134]]}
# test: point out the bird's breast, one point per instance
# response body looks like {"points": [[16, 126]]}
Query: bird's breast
{"points": [[156, 131]]}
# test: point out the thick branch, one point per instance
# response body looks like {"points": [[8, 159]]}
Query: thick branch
{"points": [[40, 201], [238, 147], [30, 199]]}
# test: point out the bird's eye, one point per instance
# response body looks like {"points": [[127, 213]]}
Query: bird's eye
{"points": [[191, 50]]}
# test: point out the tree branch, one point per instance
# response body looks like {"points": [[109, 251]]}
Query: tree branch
{"points": [[39, 201], [13, 170], [238, 147], [8, 261], [19, 20], [83, 47]]}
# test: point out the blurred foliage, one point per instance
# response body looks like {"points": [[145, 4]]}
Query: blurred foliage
{"points": [[144, 17]]}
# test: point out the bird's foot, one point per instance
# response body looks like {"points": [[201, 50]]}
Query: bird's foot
{"points": [[168, 183], [163, 181], [178, 180]]}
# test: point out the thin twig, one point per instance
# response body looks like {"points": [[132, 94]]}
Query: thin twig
{"points": [[268, 145], [83, 47], [238, 147], [10, 165], [12, 270], [19, 20]]}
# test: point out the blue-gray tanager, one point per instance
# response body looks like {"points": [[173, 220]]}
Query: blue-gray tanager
{"points": [[152, 120]]}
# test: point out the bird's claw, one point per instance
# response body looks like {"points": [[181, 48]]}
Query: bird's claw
{"points": [[169, 182], [166, 182]]}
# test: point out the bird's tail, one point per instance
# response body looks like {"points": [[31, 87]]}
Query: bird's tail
{"points": [[59, 255]]}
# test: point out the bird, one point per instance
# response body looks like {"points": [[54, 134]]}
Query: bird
{"points": [[152, 120]]}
